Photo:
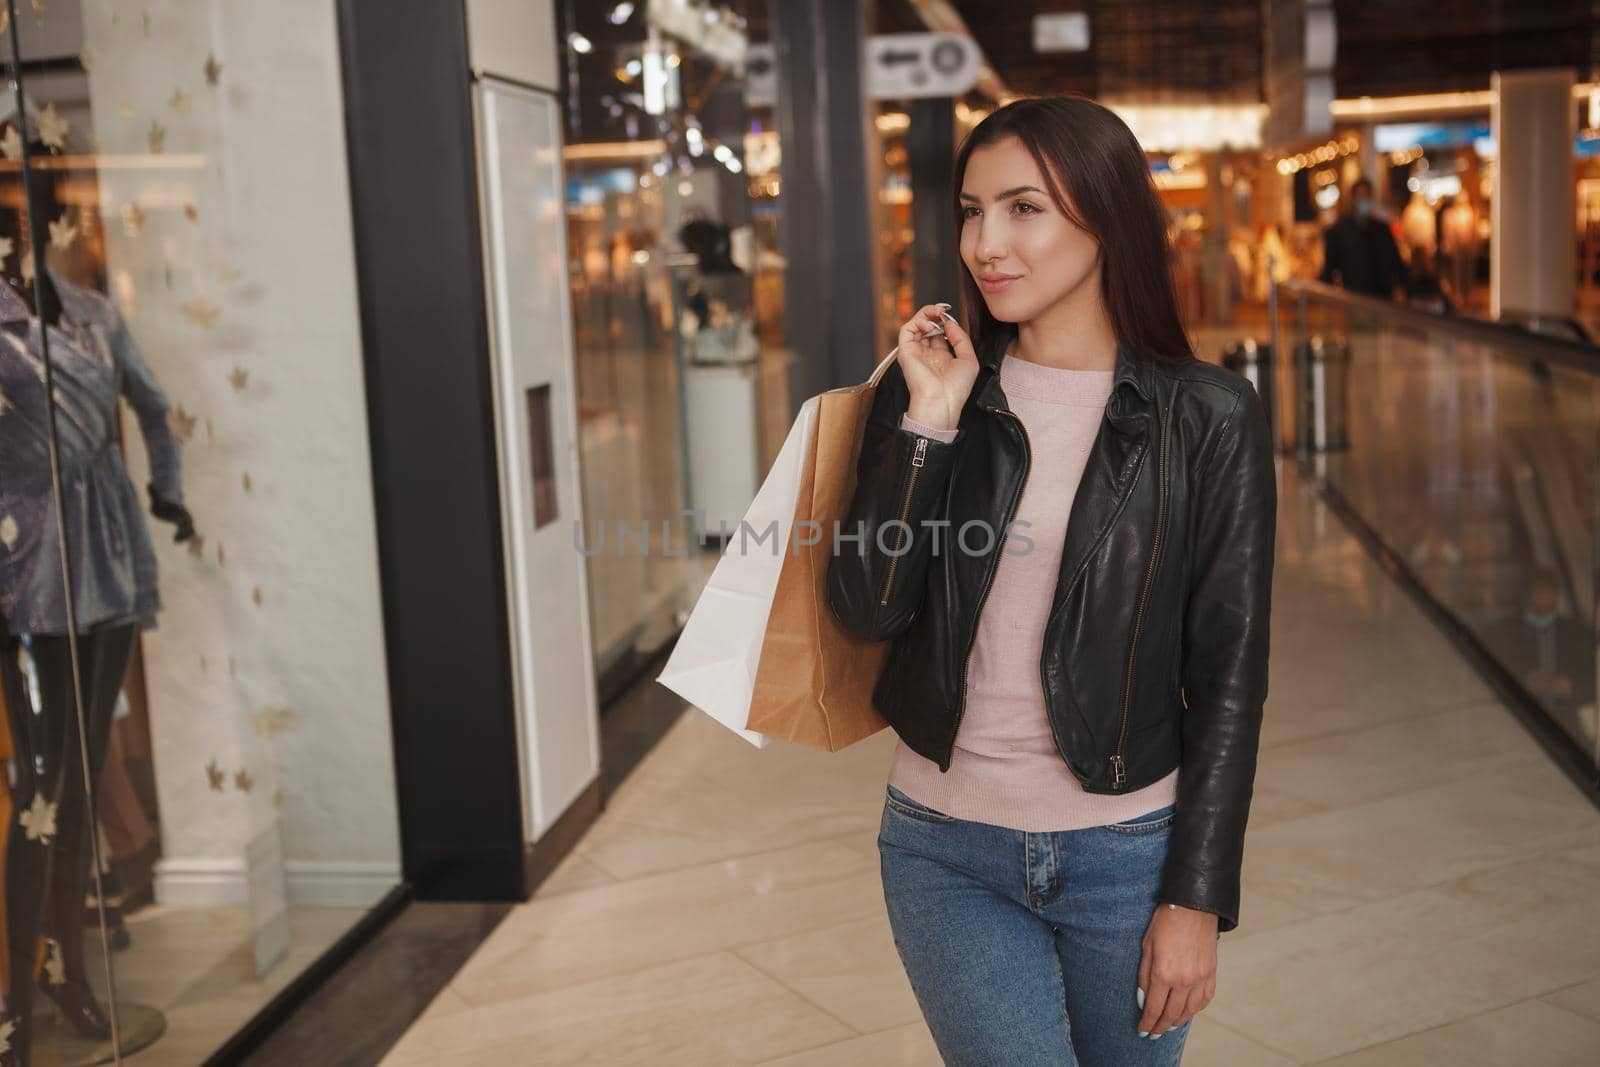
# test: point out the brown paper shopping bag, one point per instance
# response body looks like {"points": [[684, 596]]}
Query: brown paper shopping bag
{"points": [[815, 679]]}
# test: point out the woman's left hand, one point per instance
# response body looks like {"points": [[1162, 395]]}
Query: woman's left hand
{"points": [[1178, 970]]}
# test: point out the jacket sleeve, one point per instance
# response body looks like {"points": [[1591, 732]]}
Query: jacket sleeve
{"points": [[1226, 629], [878, 571], [150, 404]]}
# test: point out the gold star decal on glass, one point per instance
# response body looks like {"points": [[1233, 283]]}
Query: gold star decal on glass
{"points": [[228, 276], [167, 274], [133, 217], [222, 561], [125, 108], [216, 776], [53, 128], [244, 781], [255, 594], [211, 433], [213, 71], [247, 481], [197, 546], [179, 102], [182, 423], [239, 379], [9, 532], [201, 312], [277, 798], [63, 234], [233, 668], [39, 821], [11, 143], [55, 968], [270, 721], [158, 138], [191, 213]]}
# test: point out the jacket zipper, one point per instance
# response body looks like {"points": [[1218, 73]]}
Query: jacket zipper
{"points": [[1119, 771], [917, 459], [1027, 464]]}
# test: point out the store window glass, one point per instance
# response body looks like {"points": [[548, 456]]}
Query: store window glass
{"points": [[196, 732], [676, 289]]}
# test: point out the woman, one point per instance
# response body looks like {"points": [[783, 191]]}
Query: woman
{"points": [[1065, 523]]}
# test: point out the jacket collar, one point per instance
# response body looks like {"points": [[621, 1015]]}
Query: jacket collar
{"points": [[1132, 373], [13, 308]]}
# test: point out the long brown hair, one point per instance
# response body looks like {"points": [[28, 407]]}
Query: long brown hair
{"points": [[1109, 193]]}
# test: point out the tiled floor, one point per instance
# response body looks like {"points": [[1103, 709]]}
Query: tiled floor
{"points": [[196, 966], [1421, 886]]}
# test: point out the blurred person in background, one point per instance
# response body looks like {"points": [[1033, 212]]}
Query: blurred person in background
{"points": [[1359, 250]]}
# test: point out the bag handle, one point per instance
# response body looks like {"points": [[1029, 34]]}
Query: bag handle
{"points": [[883, 367]]}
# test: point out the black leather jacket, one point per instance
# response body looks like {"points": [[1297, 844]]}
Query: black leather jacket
{"points": [[1155, 653]]}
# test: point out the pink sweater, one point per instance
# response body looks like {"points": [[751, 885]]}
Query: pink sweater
{"points": [[1005, 769]]}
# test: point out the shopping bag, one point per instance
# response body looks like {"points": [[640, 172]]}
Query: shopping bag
{"points": [[713, 666], [815, 679]]}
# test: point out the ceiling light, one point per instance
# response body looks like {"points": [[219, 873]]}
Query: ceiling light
{"points": [[579, 43], [621, 13]]}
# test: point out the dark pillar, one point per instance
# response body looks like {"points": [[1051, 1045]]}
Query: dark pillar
{"points": [[430, 403], [722, 117], [826, 232], [936, 255]]}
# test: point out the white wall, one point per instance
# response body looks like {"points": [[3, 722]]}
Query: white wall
{"points": [[292, 689]]}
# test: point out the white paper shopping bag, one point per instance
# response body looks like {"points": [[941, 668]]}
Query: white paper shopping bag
{"points": [[713, 666]]}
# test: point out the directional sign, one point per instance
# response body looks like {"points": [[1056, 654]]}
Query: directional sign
{"points": [[920, 64], [899, 65]]}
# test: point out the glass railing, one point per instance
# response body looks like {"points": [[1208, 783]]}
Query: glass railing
{"points": [[1466, 451]]}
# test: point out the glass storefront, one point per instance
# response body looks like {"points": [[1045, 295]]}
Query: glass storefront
{"points": [[191, 602], [677, 306]]}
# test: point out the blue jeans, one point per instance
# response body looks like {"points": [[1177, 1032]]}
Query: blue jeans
{"points": [[1023, 948]]}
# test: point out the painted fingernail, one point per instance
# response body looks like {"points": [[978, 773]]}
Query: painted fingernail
{"points": [[1144, 1033], [949, 316], [941, 304], [1155, 1037], [1141, 998]]}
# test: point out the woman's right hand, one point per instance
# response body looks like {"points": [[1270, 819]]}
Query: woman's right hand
{"points": [[938, 382]]}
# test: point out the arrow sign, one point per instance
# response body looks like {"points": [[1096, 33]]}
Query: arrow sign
{"points": [[920, 64], [899, 65]]}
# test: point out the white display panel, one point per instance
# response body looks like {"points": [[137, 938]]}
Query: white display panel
{"points": [[524, 218]]}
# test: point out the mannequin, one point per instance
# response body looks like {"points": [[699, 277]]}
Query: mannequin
{"points": [[113, 593]]}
